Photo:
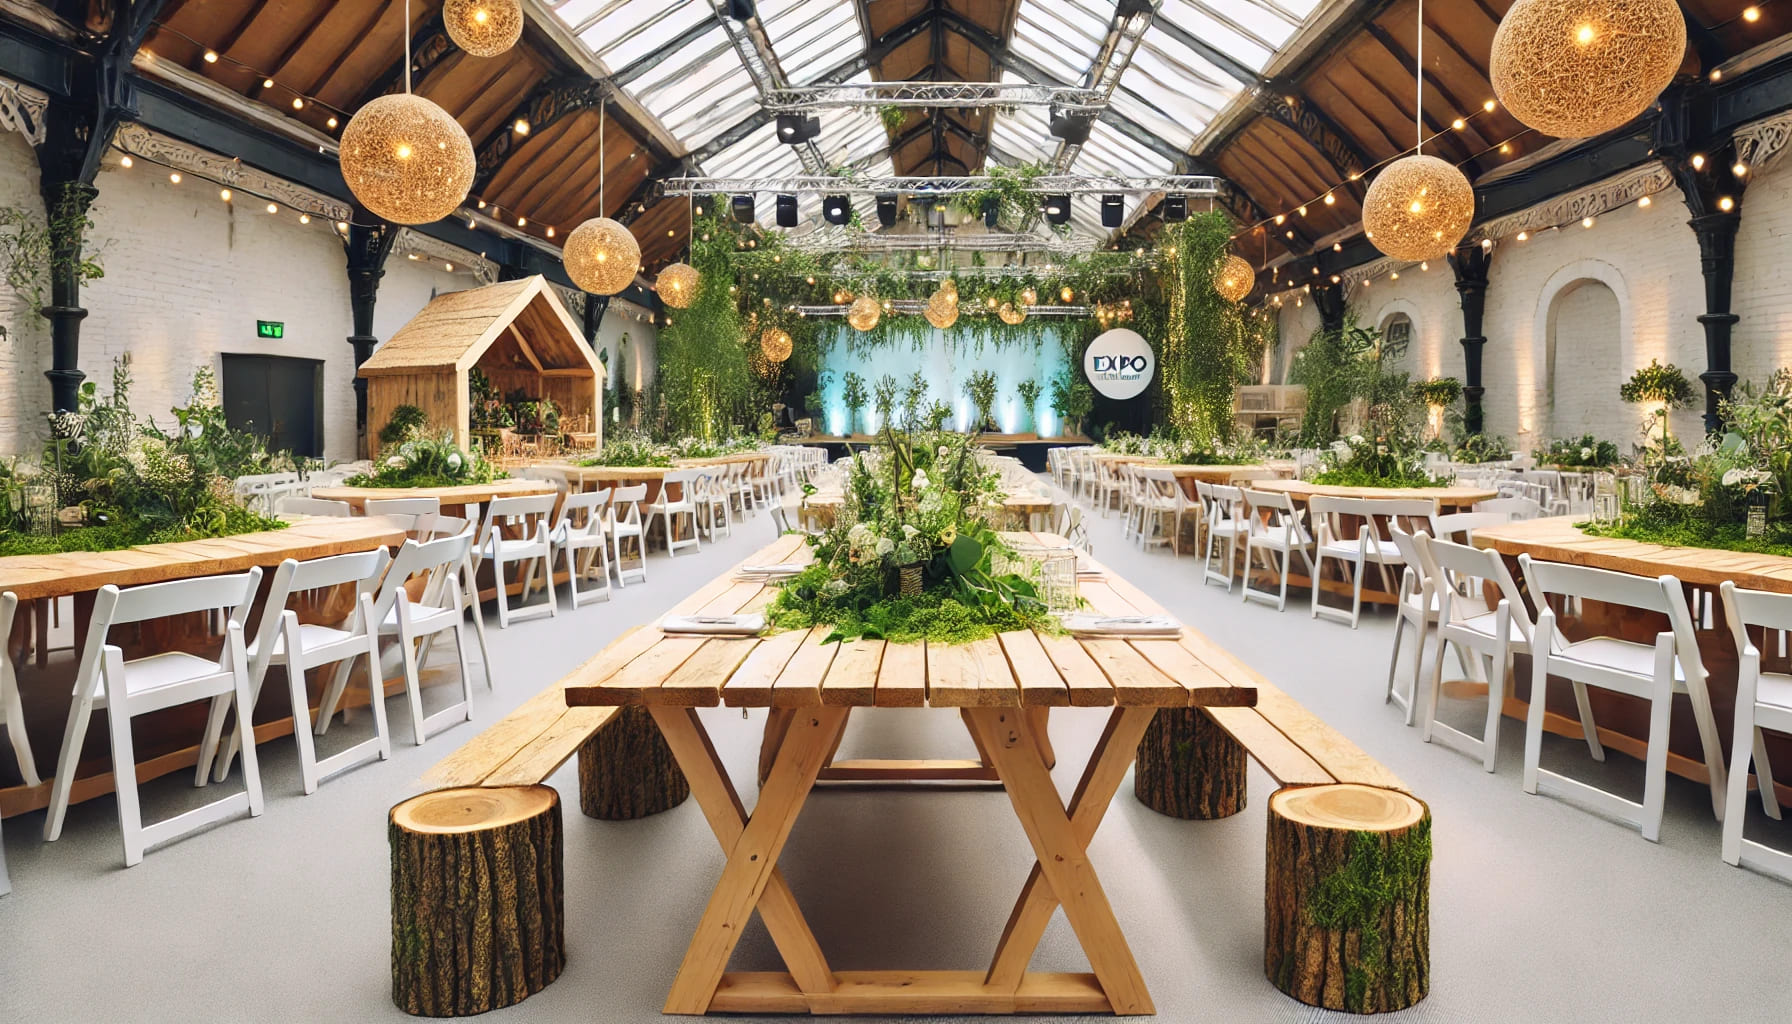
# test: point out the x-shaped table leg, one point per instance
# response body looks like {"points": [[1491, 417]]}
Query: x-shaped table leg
{"points": [[751, 880], [1062, 872]]}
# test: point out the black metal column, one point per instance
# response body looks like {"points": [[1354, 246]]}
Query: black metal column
{"points": [[595, 308], [67, 203], [369, 242], [1471, 263]]}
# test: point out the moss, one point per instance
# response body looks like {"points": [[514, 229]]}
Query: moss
{"points": [[1694, 533], [1355, 896]]}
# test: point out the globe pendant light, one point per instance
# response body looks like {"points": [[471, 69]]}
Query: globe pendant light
{"points": [[601, 255], [776, 344], [1011, 315], [1576, 68], [941, 312], [405, 159], [1029, 297], [1234, 279], [677, 285], [864, 313], [1419, 207], [483, 28]]}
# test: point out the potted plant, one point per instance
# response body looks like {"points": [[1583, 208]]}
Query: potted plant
{"points": [[1028, 392], [883, 399], [981, 390], [1072, 401], [854, 395], [1436, 394], [1666, 388], [914, 400]]}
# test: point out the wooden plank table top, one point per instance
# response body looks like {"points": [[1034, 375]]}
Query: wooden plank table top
{"points": [[1557, 539], [457, 495], [795, 670], [32, 577], [1447, 497]]}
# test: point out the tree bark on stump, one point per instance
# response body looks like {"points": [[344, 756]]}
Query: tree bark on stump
{"points": [[1347, 897], [627, 771], [477, 915], [1188, 767]]}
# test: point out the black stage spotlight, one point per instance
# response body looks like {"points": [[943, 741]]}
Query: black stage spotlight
{"points": [[1057, 208], [1175, 207], [787, 211], [743, 208], [886, 208], [795, 128], [1071, 125], [992, 212], [836, 210], [1113, 211], [741, 10]]}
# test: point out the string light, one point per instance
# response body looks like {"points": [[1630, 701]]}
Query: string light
{"points": [[126, 162]]}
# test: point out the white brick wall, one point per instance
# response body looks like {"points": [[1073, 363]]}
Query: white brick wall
{"points": [[1649, 259], [187, 276]]}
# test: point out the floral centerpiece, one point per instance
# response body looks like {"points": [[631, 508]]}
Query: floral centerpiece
{"points": [[1586, 452], [629, 448], [1388, 457], [1483, 448], [415, 457], [909, 556], [109, 480]]}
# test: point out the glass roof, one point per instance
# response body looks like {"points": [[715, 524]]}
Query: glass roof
{"points": [[681, 64]]}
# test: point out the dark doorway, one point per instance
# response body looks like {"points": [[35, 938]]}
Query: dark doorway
{"points": [[278, 397]]}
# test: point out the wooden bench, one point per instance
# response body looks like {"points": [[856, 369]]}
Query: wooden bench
{"points": [[1340, 819]]}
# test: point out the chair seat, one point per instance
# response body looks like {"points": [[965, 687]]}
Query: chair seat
{"points": [[1484, 625], [1620, 656], [1775, 690], [420, 614], [160, 671], [311, 637], [1351, 550], [1276, 537], [1435, 607], [509, 549]]}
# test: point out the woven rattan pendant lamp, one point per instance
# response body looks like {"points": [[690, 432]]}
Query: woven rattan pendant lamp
{"points": [[1419, 207], [601, 255]]}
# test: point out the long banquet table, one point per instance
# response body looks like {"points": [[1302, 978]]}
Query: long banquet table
{"points": [[168, 739], [994, 684], [1623, 720]]}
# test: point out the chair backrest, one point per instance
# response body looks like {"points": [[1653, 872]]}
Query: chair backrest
{"points": [[1517, 508], [531, 510], [1271, 501], [1465, 570], [1376, 514], [1418, 561], [292, 504], [1661, 594], [684, 480], [1245, 476], [583, 509], [625, 503], [112, 607], [362, 568], [431, 559], [1744, 608], [1228, 502], [1466, 523]]}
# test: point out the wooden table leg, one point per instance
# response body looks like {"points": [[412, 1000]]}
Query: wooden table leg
{"points": [[1060, 845], [751, 879]]}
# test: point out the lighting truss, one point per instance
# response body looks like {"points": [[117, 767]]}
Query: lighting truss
{"points": [[835, 240], [943, 185], [1125, 33], [935, 94], [916, 306]]}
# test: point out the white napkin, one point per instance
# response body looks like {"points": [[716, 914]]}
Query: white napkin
{"points": [[714, 625], [1086, 624], [767, 572]]}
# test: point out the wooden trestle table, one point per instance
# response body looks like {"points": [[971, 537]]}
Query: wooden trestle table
{"points": [[996, 684], [1624, 720], [454, 499]]}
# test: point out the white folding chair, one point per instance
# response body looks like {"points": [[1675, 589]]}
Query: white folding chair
{"points": [[625, 524], [709, 491], [580, 537], [281, 639], [296, 505], [1273, 529], [1763, 701], [1653, 674], [1519, 508], [1492, 637], [527, 514], [126, 689], [1464, 524], [12, 708], [1108, 487], [1368, 547], [418, 513], [1419, 606], [1161, 505], [468, 579], [437, 609], [1225, 524], [1070, 525], [260, 490], [677, 499], [761, 485]]}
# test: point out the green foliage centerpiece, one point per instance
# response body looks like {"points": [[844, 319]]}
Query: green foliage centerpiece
{"points": [[1665, 388], [416, 457], [1587, 452], [629, 448], [909, 554]]}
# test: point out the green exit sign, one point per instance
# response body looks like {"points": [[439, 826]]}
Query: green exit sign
{"points": [[270, 329]]}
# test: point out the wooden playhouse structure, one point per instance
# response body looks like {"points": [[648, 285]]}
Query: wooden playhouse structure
{"points": [[515, 332]]}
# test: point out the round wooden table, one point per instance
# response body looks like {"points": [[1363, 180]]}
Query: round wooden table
{"points": [[1624, 720]]}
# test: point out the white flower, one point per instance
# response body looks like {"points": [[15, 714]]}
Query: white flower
{"points": [[1356, 439], [194, 429], [884, 546], [1732, 477], [1343, 454], [1586, 453], [395, 462], [454, 462], [834, 588], [920, 479], [909, 532]]}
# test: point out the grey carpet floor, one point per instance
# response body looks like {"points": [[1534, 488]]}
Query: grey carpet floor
{"points": [[1540, 911]]}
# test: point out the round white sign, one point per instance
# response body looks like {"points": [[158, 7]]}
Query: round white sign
{"points": [[1119, 363]]}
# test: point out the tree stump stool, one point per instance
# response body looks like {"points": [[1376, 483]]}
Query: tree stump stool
{"points": [[626, 770], [1188, 767], [1347, 897], [477, 915]]}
